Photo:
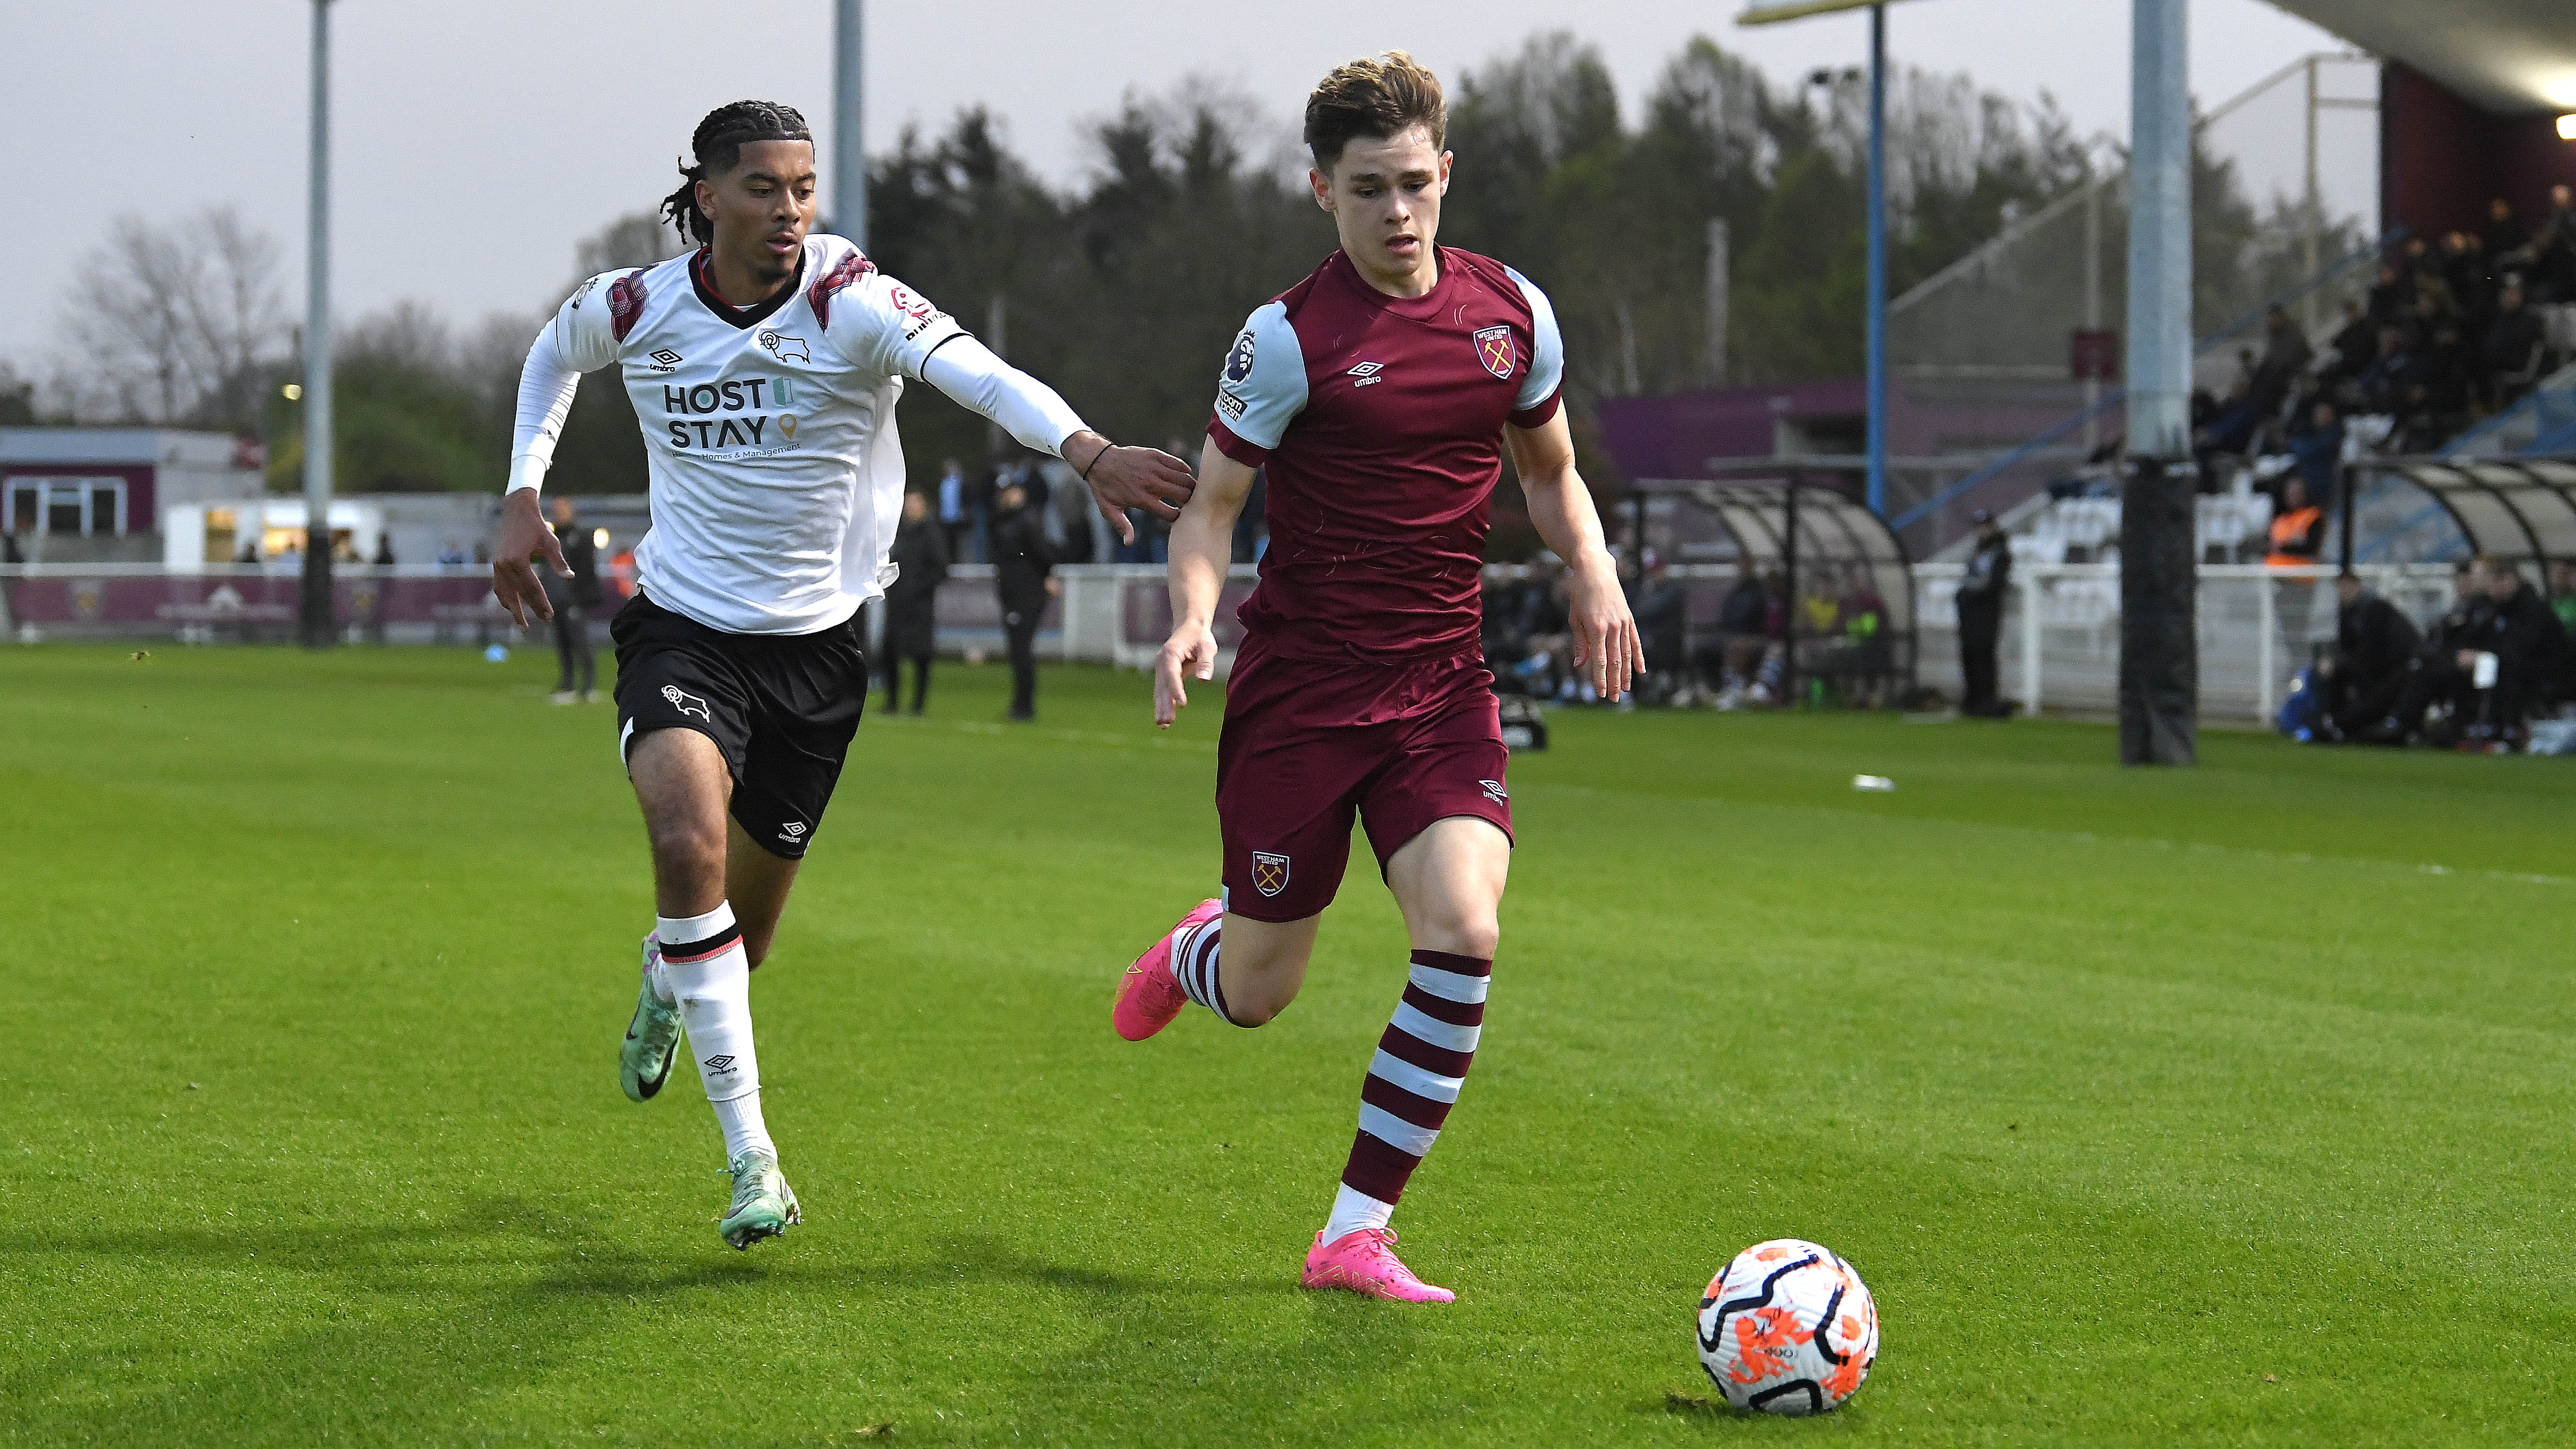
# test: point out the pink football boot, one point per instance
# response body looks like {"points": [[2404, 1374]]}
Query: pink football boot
{"points": [[1365, 1262], [1149, 998]]}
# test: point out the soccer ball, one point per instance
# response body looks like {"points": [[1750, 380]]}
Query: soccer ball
{"points": [[1787, 1329]]}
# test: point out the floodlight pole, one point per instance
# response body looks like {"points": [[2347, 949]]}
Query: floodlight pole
{"points": [[1878, 260], [315, 615], [849, 155], [2159, 585]]}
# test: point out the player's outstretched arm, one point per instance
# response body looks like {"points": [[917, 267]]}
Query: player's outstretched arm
{"points": [[1202, 546], [569, 346], [1606, 647], [1119, 477]]}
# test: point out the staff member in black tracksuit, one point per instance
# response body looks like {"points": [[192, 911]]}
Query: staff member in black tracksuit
{"points": [[2374, 647], [920, 556], [1022, 565], [573, 599], [1981, 618]]}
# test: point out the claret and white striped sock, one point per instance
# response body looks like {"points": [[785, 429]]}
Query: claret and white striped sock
{"points": [[703, 959], [1412, 1083], [1194, 956]]}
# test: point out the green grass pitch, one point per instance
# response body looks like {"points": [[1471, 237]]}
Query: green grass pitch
{"points": [[2229, 1105]]}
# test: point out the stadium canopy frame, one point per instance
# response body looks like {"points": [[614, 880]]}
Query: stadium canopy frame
{"points": [[1781, 513], [2508, 508]]}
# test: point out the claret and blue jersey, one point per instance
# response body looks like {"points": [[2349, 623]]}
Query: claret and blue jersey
{"points": [[1380, 423]]}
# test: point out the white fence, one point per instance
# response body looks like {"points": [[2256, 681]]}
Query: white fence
{"points": [[2061, 633], [2060, 650]]}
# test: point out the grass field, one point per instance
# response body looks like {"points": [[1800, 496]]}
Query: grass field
{"points": [[2228, 1105]]}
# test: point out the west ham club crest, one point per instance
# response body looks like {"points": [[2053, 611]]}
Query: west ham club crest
{"points": [[1269, 872], [1494, 349]]}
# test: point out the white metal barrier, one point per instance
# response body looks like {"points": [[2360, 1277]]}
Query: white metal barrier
{"points": [[2257, 627], [2061, 633]]}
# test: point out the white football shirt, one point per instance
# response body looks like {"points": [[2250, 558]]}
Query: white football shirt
{"points": [[769, 433]]}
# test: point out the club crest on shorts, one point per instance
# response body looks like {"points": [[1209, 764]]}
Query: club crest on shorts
{"points": [[687, 703], [1269, 872], [1494, 349]]}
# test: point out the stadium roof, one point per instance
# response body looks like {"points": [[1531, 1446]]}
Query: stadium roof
{"points": [[2511, 57]]}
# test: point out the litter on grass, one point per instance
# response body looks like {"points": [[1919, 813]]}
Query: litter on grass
{"points": [[1872, 782]]}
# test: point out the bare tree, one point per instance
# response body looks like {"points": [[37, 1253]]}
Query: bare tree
{"points": [[175, 323]]}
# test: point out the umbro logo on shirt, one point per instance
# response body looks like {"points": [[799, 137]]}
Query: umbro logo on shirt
{"points": [[1368, 372], [665, 359]]}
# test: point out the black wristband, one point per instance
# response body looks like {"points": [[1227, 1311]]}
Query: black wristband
{"points": [[1085, 474]]}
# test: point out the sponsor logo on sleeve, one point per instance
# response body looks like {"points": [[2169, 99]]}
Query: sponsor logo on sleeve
{"points": [[582, 291], [1238, 363], [782, 346], [1269, 872], [1494, 348], [1230, 405], [918, 314]]}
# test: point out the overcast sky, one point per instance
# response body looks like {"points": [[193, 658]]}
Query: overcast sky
{"points": [[475, 141]]}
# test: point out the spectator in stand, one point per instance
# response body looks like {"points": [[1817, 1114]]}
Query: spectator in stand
{"points": [[2356, 344], [452, 556], [1981, 619], [1023, 577], [573, 599], [2516, 345], [920, 557], [2318, 447], [384, 558], [2390, 296], [955, 514], [2504, 232], [2374, 646], [1543, 622], [2562, 595], [2285, 356], [2549, 257]]}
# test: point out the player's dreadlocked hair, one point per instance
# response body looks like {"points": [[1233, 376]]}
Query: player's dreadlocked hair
{"points": [[1377, 97], [718, 146]]}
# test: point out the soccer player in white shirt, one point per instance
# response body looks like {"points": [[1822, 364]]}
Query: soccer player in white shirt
{"points": [[764, 369]]}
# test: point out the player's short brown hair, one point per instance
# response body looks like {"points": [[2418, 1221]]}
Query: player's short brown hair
{"points": [[1374, 96]]}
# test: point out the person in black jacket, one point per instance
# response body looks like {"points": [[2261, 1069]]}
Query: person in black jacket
{"points": [[2525, 636], [2374, 644], [573, 599], [921, 558], [1022, 574], [1981, 618]]}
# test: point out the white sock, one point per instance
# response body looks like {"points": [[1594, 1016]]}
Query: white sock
{"points": [[711, 977], [1354, 1210], [680, 930], [743, 1129]]}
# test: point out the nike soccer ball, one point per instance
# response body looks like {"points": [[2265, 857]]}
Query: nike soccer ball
{"points": [[1787, 1329]]}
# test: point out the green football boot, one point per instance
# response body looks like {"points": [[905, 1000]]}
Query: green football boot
{"points": [[763, 1204], [652, 1037]]}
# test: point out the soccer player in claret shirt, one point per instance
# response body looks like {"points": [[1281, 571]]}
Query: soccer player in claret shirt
{"points": [[1379, 393], [764, 369]]}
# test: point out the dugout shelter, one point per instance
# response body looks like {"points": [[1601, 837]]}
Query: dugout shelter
{"points": [[1801, 516], [2519, 510]]}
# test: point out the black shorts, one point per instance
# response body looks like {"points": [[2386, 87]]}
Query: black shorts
{"points": [[782, 707]]}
